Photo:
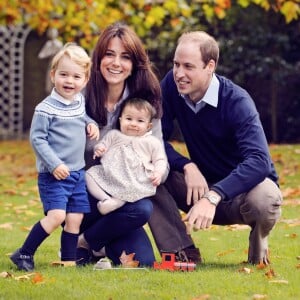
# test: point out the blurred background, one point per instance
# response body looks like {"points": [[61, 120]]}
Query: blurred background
{"points": [[259, 42]]}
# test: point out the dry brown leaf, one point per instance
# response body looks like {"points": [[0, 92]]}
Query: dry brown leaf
{"points": [[128, 261], [24, 277], [225, 252], [24, 193], [26, 228], [7, 226], [245, 270], [5, 274], [10, 192], [259, 296], [270, 273], [261, 266], [290, 192], [37, 278], [202, 297], [279, 281], [234, 227]]}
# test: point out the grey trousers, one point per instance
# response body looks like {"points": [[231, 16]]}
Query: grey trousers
{"points": [[260, 208]]}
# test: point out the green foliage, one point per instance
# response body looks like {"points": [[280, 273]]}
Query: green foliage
{"points": [[222, 276], [261, 53], [81, 20]]}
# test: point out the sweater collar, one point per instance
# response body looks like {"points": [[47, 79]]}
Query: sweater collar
{"points": [[58, 97]]}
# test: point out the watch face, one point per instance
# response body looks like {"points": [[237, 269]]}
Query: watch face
{"points": [[212, 199]]}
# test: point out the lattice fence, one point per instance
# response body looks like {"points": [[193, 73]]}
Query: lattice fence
{"points": [[12, 41]]}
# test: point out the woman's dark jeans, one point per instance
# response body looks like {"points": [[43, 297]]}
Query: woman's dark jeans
{"points": [[120, 230]]}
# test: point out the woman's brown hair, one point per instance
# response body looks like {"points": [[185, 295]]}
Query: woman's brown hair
{"points": [[142, 83]]}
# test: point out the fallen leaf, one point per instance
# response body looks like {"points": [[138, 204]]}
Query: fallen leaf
{"points": [[259, 296], [225, 252], [24, 277], [37, 278], [245, 270], [7, 226], [261, 266], [127, 260], [234, 227], [279, 281], [270, 273], [202, 297], [5, 274]]}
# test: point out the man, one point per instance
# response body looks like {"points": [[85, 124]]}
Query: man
{"points": [[229, 178]]}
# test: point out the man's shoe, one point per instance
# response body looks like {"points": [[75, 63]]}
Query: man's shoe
{"points": [[189, 255], [194, 255], [22, 261]]}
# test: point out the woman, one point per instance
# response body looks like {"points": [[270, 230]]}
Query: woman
{"points": [[121, 69]]}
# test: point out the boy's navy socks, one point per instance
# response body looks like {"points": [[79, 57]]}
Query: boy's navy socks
{"points": [[36, 236], [68, 246]]}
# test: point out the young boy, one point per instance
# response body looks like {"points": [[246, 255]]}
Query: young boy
{"points": [[57, 135]]}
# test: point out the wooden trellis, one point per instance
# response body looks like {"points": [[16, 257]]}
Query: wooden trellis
{"points": [[12, 41]]}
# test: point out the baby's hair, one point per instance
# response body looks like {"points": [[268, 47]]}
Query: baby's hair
{"points": [[77, 54], [139, 104]]}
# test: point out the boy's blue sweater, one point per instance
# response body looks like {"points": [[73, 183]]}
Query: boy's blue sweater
{"points": [[58, 134], [226, 142]]}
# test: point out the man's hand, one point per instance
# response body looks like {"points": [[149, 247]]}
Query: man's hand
{"points": [[201, 215], [195, 182], [61, 172], [93, 131]]}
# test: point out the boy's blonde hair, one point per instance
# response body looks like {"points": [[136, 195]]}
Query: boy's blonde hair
{"points": [[77, 54]]}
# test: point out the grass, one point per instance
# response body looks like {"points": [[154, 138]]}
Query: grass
{"points": [[222, 276]]}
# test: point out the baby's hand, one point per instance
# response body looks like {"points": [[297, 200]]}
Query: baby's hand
{"points": [[156, 178], [61, 172], [99, 152], [93, 131]]}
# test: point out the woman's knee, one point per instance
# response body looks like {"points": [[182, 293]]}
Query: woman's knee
{"points": [[144, 208]]}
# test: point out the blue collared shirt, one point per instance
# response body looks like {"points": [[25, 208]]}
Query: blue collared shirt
{"points": [[210, 97]]}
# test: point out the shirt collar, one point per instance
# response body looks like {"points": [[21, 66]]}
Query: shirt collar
{"points": [[210, 97], [58, 97]]}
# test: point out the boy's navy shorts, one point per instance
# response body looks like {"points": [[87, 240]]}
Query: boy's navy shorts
{"points": [[68, 194]]}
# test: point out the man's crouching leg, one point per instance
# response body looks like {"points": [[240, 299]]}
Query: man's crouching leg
{"points": [[261, 210]]}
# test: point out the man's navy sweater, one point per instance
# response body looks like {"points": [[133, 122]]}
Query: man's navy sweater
{"points": [[226, 142]]}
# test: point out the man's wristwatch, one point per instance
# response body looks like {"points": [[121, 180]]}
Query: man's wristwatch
{"points": [[213, 199]]}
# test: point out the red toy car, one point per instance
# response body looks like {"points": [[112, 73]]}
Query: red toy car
{"points": [[169, 263]]}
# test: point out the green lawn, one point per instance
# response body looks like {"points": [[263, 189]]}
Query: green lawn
{"points": [[222, 276]]}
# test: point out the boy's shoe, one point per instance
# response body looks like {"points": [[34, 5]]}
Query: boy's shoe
{"points": [[83, 256], [22, 261]]}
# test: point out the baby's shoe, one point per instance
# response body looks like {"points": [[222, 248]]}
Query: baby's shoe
{"points": [[108, 205]]}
